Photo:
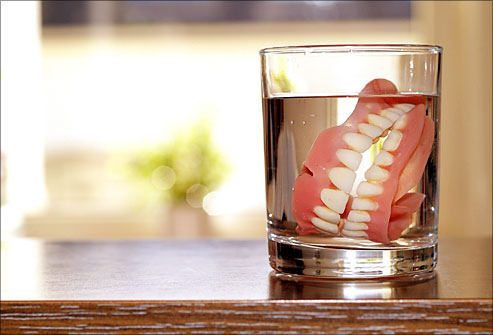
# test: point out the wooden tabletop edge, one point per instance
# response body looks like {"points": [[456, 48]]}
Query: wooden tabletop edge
{"points": [[252, 302]]}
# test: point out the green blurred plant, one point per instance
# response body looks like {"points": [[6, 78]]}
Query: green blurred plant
{"points": [[280, 78], [186, 168]]}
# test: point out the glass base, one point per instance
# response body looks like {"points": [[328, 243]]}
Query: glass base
{"points": [[305, 261]]}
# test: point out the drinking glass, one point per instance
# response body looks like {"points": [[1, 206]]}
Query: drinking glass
{"points": [[351, 139]]}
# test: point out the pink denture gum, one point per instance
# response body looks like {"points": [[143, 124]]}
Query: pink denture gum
{"points": [[382, 208]]}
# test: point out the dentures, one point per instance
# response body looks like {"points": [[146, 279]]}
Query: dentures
{"points": [[381, 208]]}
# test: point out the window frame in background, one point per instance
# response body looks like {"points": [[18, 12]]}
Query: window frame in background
{"points": [[131, 12]]}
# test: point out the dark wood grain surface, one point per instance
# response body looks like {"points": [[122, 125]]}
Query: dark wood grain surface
{"points": [[225, 287]]}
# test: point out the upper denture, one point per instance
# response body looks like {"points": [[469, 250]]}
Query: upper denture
{"points": [[383, 180]]}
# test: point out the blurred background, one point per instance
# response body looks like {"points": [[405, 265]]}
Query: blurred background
{"points": [[119, 118]]}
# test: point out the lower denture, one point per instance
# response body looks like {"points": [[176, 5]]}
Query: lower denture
{"points": [[321, 191]]}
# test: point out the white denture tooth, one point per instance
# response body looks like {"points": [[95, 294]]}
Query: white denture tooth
{"points": [[364, 204], [405, 107], [358, 216], [354, 233], [350, 158], [334, 199], [376, 173], [396, 110], [389, 114], [327, 214], [325, 226], [343, 178], [369, 130], [384, 158], [393, 140], [349, 225], [401, 122], [367, 189], [357, 142], [379, 121]]}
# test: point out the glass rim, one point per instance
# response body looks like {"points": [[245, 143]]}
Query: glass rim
{"points": [[353, 48]]}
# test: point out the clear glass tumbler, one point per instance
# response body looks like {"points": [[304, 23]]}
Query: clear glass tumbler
{"points": [[351, 137]]}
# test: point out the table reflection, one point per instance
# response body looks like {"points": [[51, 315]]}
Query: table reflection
{"points": [[312, 289]]}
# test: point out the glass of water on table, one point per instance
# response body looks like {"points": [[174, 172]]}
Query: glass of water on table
{"points": [[351, 139]]}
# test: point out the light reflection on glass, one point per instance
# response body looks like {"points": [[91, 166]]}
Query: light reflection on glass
{"points": [[284, 288], [356, 291]]}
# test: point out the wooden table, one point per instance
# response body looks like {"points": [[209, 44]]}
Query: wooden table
{"points": [[227, 287]]}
